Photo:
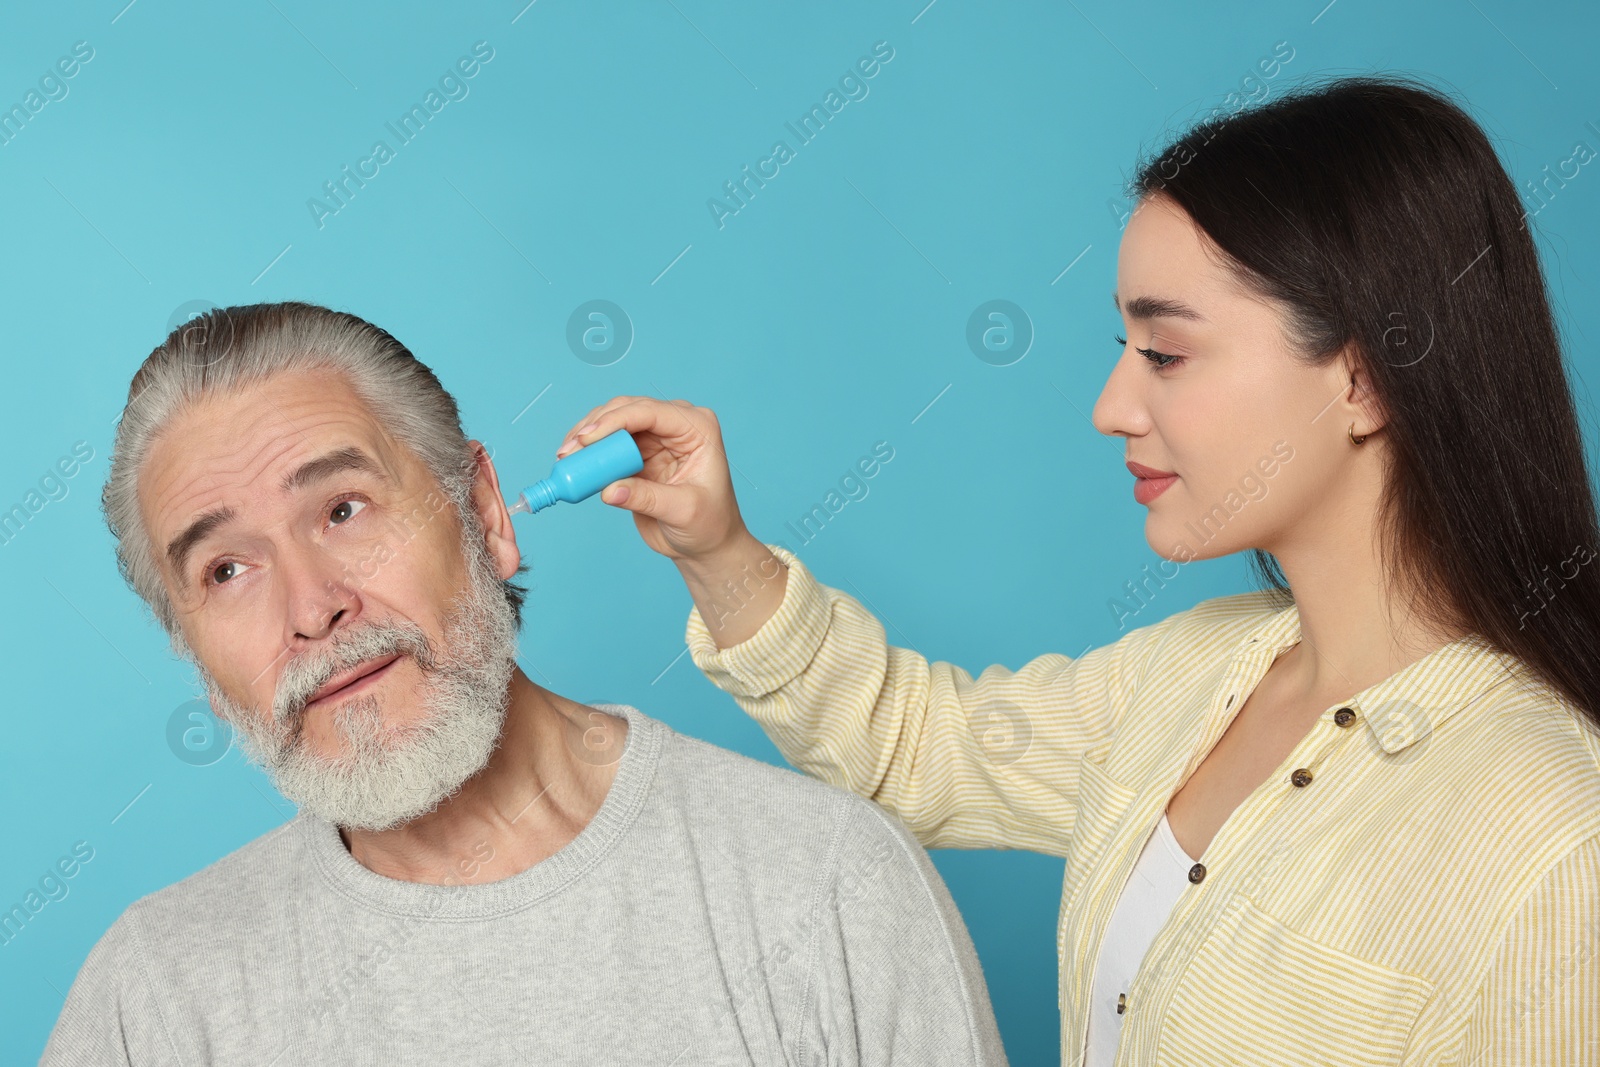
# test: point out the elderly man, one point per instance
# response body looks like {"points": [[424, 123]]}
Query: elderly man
{"points": [[481, 871]]}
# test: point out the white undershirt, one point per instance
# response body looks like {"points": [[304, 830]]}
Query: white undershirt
{"points": [[1158, 879]]}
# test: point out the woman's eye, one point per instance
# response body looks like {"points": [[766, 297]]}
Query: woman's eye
{"points": [[1157, 360], [345, 510]]}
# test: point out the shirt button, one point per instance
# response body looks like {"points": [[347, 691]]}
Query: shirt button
{"points": [[1301, 777], [1229, 704], [1122, 1002], [1197, 873], [1344, 717]]}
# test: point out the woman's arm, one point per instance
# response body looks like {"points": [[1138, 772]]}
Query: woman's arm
{"points": [[986, 762], [1539, 1000], [737, 590]]}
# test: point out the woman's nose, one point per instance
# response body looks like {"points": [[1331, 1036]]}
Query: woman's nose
{"points": [[1120, 411]]}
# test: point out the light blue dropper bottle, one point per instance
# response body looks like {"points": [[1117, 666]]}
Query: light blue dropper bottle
{"points": [[583, 473]]}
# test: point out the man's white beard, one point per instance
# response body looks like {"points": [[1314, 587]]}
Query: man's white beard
{"points": [[390, 774]]}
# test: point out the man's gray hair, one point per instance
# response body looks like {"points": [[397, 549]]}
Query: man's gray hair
{"points": [[227, 350]]}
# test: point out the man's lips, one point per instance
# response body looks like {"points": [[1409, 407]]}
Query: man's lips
{"points": [[336, 685]]}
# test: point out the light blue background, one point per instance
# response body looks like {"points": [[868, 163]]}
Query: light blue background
{"points": [[823, 317]]}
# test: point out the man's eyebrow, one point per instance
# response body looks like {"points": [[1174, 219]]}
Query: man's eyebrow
{"points": [[308, 473], [179, 547], [344, 459], [1153, 307]]}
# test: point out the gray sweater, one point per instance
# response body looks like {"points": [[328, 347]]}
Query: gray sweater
{"points": [[716, 910]]}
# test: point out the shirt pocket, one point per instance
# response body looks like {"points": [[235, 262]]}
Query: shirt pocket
{"points": [[1259, 993]]}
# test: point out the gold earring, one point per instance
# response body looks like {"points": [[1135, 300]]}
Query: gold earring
{"points": [[1353, 438]]}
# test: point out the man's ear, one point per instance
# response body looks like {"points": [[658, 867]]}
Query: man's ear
{"points": [[498, 535]]}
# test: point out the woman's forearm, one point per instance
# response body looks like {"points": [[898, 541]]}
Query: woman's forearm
{"points": [[736, 589]]}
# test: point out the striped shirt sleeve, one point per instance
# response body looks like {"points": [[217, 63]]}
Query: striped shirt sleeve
{"points": [[985, 762], [1539, 1002]]}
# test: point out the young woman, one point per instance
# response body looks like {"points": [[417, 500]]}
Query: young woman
{"points": [[1350, 818]]}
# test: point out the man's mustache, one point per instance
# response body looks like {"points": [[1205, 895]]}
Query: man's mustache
{"points": [[304, 675]]}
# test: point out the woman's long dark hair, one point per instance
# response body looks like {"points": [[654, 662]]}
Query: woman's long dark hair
{"points": [[1375, 210]]}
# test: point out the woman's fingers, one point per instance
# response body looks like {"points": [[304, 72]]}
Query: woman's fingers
{"points": [[594, 414], [683, 499], [680, 426], [671, 505]]}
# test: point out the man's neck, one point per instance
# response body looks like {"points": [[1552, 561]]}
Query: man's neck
{"points": [[540, 788]]}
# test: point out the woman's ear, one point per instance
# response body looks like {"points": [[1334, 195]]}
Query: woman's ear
{"points": [[1364, 406]]}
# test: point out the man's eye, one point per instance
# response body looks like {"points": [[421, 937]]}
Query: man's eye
{"points": [[225, 571], [340, 513], [345, 510]]}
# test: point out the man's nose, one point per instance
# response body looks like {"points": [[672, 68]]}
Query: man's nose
{"points": [[320, 596]]}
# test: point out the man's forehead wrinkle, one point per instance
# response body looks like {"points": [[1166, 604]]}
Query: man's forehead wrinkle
{"points": [[359, 427], [386, 451], [211, 480], [272, 448], [231, 419], [241, 447], [266, 455], [252, 460]]}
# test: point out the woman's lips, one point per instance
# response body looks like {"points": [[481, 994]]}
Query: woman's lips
{"points": [[1150, 483], [1147, 489]]}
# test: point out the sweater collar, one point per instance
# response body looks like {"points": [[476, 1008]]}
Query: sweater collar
{"points": [[627, 793]]}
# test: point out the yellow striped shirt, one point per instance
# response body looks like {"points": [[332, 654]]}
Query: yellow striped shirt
{"points": [[1417, 883]]}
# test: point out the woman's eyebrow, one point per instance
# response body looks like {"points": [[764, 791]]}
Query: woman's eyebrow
{"points": [[1155, 307]]}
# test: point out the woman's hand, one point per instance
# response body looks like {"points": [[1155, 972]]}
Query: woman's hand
{"points": [[683, 504], [682, 501], [685, 509]]}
